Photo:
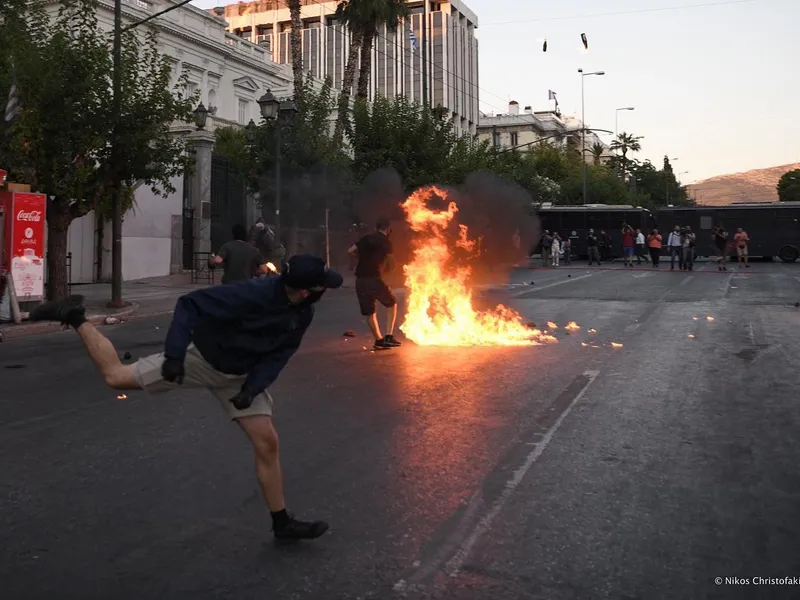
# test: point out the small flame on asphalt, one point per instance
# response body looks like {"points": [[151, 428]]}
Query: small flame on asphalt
{"points": [[572, 326], [584, 344], [696, 318], [122, 397], [616, 345], [691, 335], [552, 325], [710, 318], [593, 331]]}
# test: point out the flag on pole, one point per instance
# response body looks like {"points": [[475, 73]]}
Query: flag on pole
{"points": [[13, 105], [413, 38], [551, 95]]}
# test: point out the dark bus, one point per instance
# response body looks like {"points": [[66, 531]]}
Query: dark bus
{"points": [[576, 221], [773, 229]]}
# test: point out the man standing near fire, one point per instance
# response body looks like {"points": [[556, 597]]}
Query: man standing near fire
{"points": [[374, 251]]}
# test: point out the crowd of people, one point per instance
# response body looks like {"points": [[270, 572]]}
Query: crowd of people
{"points": [[681, 246]]}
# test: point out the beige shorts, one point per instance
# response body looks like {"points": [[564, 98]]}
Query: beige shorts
{"points": [[200, 374], [741, 250]]}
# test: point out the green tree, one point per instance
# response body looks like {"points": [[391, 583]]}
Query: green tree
{"points": [[347, 14], [625, 143], [374, 15], [789, 186], [597, 150], [60, 142], [315, 172]]}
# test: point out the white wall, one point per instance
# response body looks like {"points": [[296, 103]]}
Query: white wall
{"points": [[81, 243]]}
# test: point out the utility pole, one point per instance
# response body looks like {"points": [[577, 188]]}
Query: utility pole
{"points": [[116, 200], [116, 169]]}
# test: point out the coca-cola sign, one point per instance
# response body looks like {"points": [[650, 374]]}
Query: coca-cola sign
{"points": [[33, 216]]}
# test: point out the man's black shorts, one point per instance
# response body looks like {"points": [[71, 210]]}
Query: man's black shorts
{"points": [[370, 289]]}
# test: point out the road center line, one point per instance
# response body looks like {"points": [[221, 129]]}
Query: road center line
{"points": [[549, 285], [454, 564], [686, 280]]}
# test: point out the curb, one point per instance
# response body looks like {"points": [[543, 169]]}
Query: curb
{"points": [[10, 332]]}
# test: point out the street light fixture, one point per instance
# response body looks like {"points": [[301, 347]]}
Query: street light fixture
{"points": [[269, 106], [278, 111], [200, 117], [583, 129]]}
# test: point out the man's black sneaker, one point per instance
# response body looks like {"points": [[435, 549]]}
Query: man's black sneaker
{"points": [[300, 530], [381, 344], [391, 341], [68, 311]]}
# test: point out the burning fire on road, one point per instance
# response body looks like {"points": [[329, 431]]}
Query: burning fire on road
{"points": [[440, 310]]}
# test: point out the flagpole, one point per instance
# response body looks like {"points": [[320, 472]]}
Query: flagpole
{"points": [[425, 55]]}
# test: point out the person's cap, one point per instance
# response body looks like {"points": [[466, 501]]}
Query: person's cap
{"points": [[304, 271]]}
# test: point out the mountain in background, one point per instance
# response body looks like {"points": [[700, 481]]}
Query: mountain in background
{"points": [[757, 185]]}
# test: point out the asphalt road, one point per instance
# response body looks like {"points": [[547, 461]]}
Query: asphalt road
{"points": [[555, 472]]}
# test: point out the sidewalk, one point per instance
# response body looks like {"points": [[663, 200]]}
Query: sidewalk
{"points": [[147, 297]]}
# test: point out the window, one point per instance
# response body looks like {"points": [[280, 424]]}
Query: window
{"points": [[243, 112], [514, 139], [191, 90], [495, 139], [212, 99]]}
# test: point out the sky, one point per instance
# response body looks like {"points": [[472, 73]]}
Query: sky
{"points": [[713, 82]]}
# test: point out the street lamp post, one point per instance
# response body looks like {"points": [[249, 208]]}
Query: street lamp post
{"points": [[616, 120], [275, 110], [583, 130]]}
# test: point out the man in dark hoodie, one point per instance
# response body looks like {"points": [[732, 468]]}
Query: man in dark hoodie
{"points": [[232, 340]]}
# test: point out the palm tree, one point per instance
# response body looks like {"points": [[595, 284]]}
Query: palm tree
{"points": [[375, 15], [597, 151], [626, 142], [296, 43], [347, 14]]}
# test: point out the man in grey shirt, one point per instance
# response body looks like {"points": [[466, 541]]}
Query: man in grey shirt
{"points": [[240, 259]]}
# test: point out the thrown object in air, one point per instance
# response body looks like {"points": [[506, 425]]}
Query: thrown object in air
{"points": [[585, 41], [544, 46]]}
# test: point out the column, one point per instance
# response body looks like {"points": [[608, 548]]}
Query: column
{"points": [[200, 192]]}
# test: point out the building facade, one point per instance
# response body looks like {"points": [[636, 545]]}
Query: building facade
{"points": [[229, 74], [444, 37], [527, 129]]}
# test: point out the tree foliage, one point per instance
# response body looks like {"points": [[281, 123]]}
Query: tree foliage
{"points": [[60, 142], [789, 186]]}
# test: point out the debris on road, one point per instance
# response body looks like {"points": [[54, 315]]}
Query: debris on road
{"points": [[349, 333]]}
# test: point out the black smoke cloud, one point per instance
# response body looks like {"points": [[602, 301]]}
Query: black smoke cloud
{"points": [[493, 208]]}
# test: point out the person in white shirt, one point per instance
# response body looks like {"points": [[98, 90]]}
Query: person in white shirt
{"points": [[675, 248], [555, 249], [641, 249]]}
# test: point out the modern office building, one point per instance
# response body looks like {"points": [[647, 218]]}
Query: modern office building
{"points": [[443, 35]]}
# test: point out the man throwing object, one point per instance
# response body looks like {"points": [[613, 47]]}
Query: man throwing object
{"points": [[374, 251], [232, 340]]}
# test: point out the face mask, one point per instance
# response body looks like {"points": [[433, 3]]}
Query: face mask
{"points": [[314, 297]]}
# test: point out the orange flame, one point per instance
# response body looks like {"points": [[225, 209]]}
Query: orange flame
{"points": [[271, 267], [552, 325], [440, 311], [616, 345], [572, 326]]}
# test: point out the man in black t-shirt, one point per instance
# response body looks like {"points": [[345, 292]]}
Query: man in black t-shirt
{"points": [[374, 251], [720, 237], [240, 259]]}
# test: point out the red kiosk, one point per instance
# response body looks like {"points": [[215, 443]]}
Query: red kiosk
{"points": [[22, 242]]}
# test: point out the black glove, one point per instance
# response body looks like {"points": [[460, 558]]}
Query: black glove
{"points": [[172, 370], [242, 400]]}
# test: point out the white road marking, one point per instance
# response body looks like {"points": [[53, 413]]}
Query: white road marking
{"points": [[751, 333], [641, 275], [686, 280], [454, 564], [535, 288]]}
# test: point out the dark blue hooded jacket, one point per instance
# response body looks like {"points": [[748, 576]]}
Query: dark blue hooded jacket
{"points": [[249, 327]]}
